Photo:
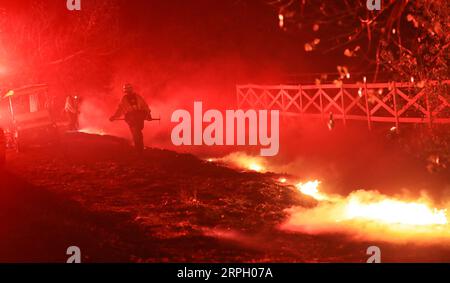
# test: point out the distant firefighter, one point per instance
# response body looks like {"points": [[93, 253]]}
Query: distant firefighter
{"points": [[135, 111], [331, 122], [72, 110]]}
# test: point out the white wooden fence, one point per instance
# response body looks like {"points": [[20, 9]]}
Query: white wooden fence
{"points": [[391, 102]]}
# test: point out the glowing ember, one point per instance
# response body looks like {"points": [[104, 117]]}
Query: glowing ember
{"points": [[281, 20], [282, 180]]}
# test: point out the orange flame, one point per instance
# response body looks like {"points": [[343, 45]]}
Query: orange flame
{"points": [[246, 162], [368, 214], [394, 211], [311, 189], [92, 131]]}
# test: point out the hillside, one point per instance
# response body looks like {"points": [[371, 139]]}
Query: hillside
{"points": [[92, 193]]}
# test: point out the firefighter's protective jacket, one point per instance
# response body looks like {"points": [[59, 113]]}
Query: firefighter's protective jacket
{"points": [[129, 103], [71, 106]]}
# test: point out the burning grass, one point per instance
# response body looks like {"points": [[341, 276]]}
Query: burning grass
{"points": [[93, 131], [244, 161], [364, 215]]}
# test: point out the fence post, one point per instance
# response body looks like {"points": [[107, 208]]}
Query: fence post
{"points": [[238, 98], [427, 99], [395, 109], [369, 122], [343, 105], [321, 103], [300, 89], [283, 109]]}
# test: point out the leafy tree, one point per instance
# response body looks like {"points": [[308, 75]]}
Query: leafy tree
{"points": [[404, 41]]}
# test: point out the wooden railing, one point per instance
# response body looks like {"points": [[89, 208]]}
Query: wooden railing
{"points": [[372, 102]]}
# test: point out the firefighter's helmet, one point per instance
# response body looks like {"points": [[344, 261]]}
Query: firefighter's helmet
{"points": [[127, 88]]}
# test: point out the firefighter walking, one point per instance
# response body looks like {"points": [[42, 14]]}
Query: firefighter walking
{"points": [[135, 111], [72, 110]]}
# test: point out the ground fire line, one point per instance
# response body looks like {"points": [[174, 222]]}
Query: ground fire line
{"points": [[367, 215]]}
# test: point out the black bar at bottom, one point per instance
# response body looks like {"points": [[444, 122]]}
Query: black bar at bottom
{"points": [[222, 272]]}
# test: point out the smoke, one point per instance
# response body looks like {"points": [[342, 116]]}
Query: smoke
{"points": [[174, 55], [94, 117]]}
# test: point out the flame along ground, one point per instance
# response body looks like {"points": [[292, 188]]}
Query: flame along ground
{"points": [[244, 161], [364, 215], [92, 131]]}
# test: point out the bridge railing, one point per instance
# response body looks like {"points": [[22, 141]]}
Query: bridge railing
{"points": [[390, 102]]}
